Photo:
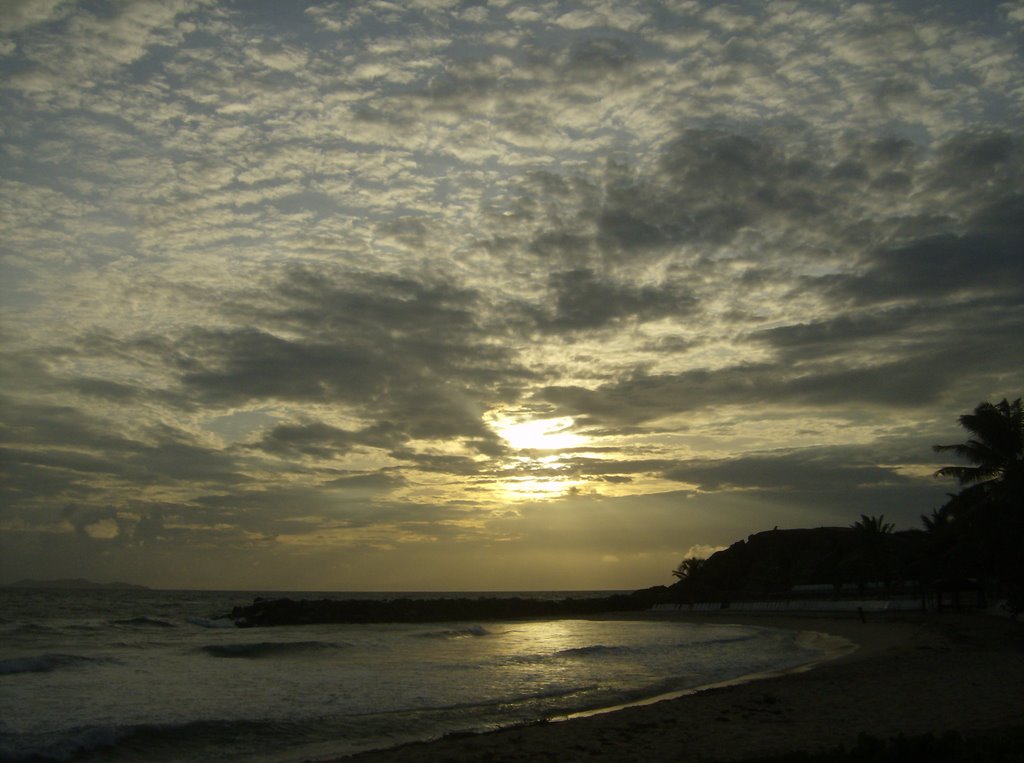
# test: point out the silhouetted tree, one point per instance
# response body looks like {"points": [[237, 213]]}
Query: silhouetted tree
{"points": [[873, 528], [988, 512], [688, 588], [688, 568], [950, 553], [872, 555], [995, 450], [994, 482], [940, 520]]}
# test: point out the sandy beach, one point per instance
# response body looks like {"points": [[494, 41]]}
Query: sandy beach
{"points": [[912, 675]]}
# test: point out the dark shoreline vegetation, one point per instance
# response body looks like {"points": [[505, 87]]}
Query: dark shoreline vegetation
{"points": [[969, 552]]}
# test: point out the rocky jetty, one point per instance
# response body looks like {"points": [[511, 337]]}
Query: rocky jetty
{"points": [[270, 612]]}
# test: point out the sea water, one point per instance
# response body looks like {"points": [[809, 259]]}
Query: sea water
{"points": [[151, 675]]}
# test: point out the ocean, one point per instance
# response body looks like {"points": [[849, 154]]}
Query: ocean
{"points": [[151, 676]]}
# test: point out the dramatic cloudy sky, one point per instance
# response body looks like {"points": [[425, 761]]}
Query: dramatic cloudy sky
{"points": [[456, 294]]}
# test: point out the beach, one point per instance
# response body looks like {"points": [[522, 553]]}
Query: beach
{"points": [[910, 675]]}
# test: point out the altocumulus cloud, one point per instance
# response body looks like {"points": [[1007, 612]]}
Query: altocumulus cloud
{"points": [[456, 295]]}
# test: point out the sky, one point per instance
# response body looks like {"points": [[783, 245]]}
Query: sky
{"points": [[490, 295]]}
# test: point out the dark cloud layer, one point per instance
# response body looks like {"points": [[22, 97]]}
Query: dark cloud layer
{"points": [[585, 301], [412, 356]]}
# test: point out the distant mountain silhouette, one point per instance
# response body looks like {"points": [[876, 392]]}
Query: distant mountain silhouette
{"points": [[74, 584]]}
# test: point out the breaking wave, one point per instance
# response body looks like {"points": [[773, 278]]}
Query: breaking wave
{"points": [[220, 622], [88, 742], [265, 649], [44, 663], [594, 650], [148, 622], [473, 631]]}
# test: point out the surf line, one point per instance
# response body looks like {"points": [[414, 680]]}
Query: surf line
{"points": [[837, 647]]}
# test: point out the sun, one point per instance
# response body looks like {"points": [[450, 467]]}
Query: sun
{"points": [[537, 470], [538, 434]]}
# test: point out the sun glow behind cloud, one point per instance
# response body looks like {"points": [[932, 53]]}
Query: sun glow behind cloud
{"points": [[539, 434], [531, 489], [537, 468]]}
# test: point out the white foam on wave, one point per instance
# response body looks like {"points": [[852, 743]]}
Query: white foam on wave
{"points": [[144, 621], [473, 631], [220, 622], [43, 663], [260, 649], [67, 746], [594, 650]]}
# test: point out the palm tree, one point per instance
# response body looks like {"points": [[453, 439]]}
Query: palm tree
{"points": [[988, 512], [949, 555], [872, 557], [996, 452], [688, 587], [873, 527], [688, 568], [938, 521]]}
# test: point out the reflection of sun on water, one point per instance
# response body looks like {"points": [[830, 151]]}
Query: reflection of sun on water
{"points": [[533, 435]]}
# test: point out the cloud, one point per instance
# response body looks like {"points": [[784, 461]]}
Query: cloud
{"points": [[409, 353], [67, 441], [702, 551], [371, 483], [105, 529], [646, 398], [90, 46], [20, 14], [937, 267], [324, 441], [584, 301], [599, 58], [812, 469], [272, 280]]}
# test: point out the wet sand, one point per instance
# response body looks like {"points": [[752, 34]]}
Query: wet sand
{"points": [[911, 675]]}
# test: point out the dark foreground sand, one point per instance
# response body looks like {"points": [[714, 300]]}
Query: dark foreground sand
{"points": [[918, 675]]}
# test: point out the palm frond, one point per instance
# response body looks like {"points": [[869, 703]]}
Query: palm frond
{"points": [[995, 449]]}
